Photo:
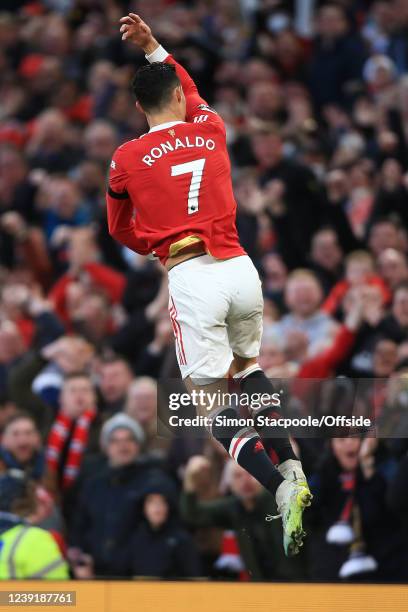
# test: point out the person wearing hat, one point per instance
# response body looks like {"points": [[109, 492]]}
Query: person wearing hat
{"points": [[26, 551], [108, 508], [160, 546]]}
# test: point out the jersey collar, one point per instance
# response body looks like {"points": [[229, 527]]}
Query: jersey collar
{"points": [[164, 126]]}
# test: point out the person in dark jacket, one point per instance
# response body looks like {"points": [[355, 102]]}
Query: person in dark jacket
{"points": [[293, 197], [353, 533], [108, 509], [397, 493], [160, 546], [337, 58]]}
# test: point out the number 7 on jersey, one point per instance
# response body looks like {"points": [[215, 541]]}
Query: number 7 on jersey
{"points": [[196, 168]]}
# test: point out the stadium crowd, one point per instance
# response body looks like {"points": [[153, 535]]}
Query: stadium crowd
{"points": [[315, 99]]}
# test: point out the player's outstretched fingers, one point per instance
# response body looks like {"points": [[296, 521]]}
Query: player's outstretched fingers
{"points": [[136, 18]]}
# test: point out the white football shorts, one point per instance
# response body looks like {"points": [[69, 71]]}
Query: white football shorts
{"points": [[216, 309]]}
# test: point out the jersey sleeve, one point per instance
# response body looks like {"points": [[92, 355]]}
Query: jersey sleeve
{"points": [[120, 209], [197, 108]]}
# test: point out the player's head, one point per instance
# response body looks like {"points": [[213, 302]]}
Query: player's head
{"points": [[157, 90]]}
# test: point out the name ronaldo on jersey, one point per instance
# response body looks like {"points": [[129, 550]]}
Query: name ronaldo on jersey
{"points": [[186, 142]]}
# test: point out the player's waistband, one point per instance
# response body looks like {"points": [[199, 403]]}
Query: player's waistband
{"points": [[201, 260], [184, 261], [188, 248]]}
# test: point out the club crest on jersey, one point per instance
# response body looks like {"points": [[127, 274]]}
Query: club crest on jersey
{"points": [[172, 132]]}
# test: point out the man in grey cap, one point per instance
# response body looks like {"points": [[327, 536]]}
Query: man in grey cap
{"points": [[121, 439], [108, 509]]}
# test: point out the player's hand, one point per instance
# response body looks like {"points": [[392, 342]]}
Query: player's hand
{"points": [[135, 30]]}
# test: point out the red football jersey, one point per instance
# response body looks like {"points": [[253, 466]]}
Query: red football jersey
{"points": [[172, 186]]}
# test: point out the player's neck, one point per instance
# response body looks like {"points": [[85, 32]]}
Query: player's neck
{"points": [[165, 117]]}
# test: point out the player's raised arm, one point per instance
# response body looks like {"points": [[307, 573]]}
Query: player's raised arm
{"points": [[135, 30]]}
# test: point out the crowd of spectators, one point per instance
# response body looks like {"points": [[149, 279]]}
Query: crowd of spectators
{"points": [[314, 95]]}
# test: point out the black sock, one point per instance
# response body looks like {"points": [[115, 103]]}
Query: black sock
{"points": [[280, 446], [246, 448], [275, 439]]}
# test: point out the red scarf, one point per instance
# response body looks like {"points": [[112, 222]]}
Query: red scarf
{"points": [[57, 439], [348, 484]]}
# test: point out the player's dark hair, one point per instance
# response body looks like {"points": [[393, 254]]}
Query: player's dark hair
{"points": [[153, 85]]}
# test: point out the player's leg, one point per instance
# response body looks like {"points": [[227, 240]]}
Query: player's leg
{"points": [[245, 331], [253, 381], [293, 495], [198, 309], [241, 442]]}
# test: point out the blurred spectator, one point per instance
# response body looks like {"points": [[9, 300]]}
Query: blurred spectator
{"points": [[141, 405], [17, 187], [49, 146], [359, 271], [74, 431], [20, 447], [65, 356], [384, 234], [395, 325], [11, 350], [243, 512], [393, 267], [356, 535], [109, 503], [115, 377], [337, 60], [100, 142], [18, 538], [160, 547], [62, 201], [326, 258], [303, 297], [85, 278], [291, 191]]}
